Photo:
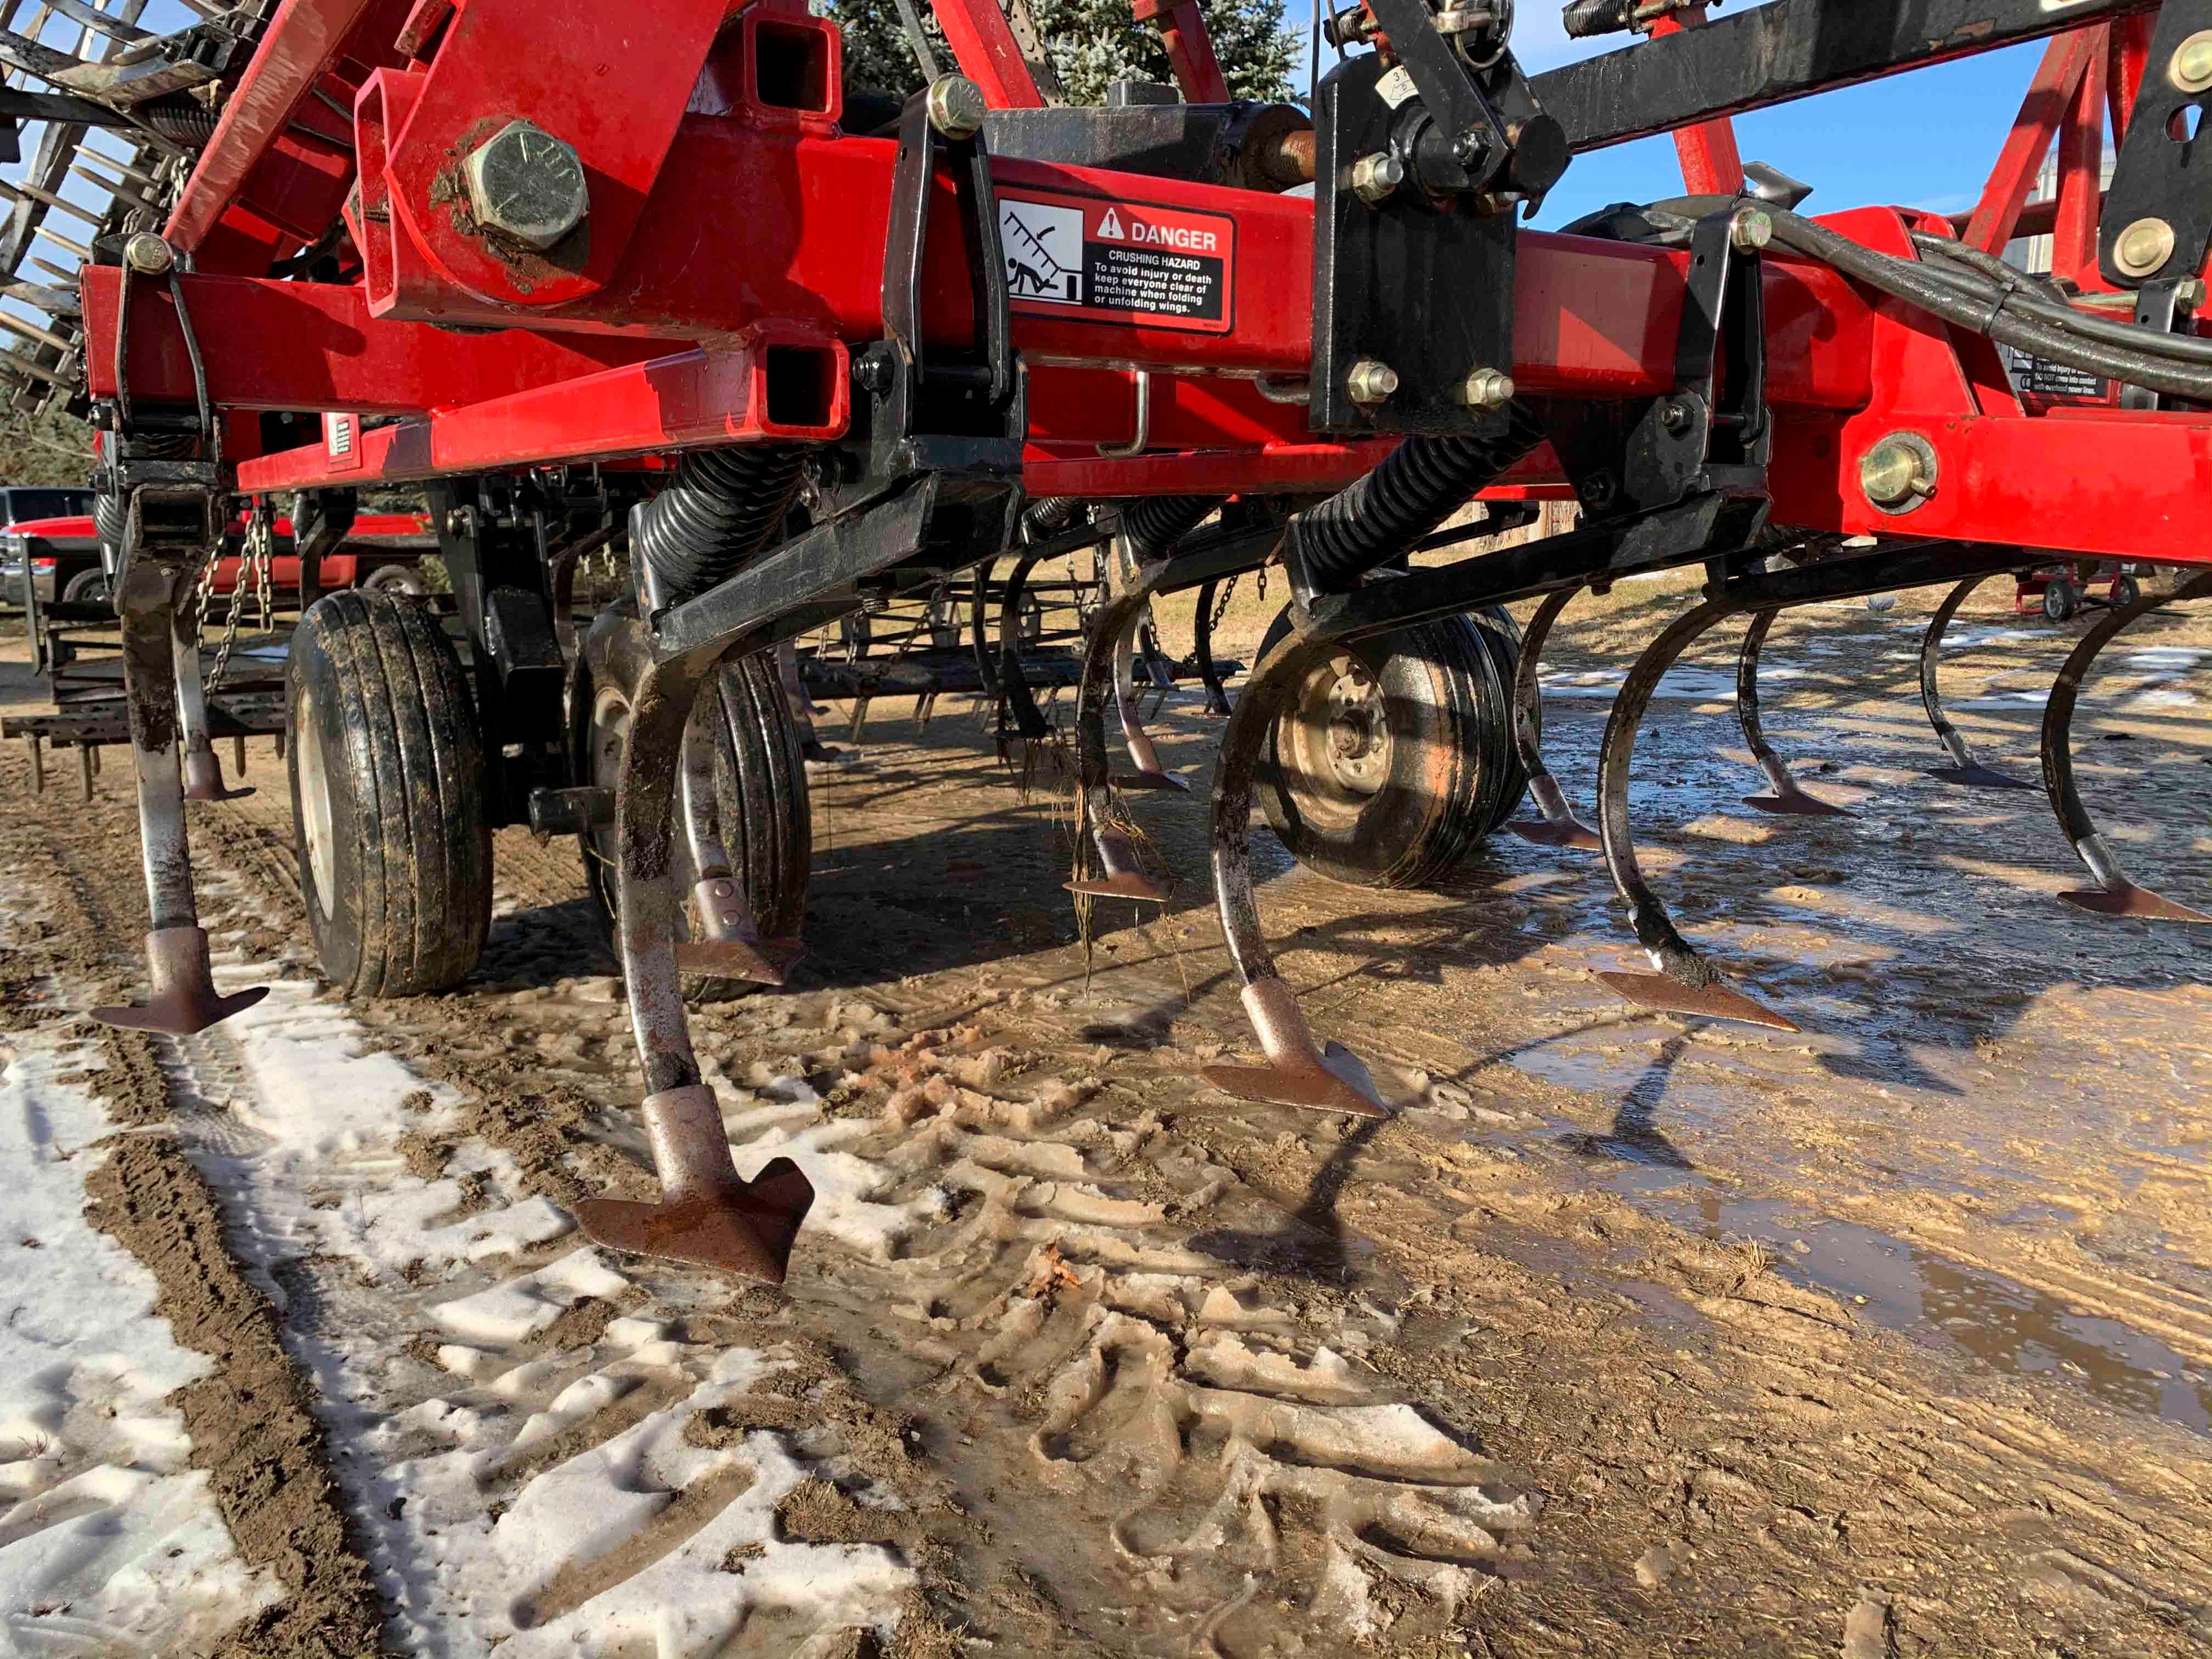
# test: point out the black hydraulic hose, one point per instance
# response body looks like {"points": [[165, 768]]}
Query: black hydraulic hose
{"points": [[720, 509], [1419, 485], [1910, 281], [2030, 296]]}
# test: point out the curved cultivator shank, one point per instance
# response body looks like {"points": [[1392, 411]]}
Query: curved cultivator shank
{"points": [[1963, 770], [1557, 826], [1787, 798], [2114, 894], [1685, 984]]}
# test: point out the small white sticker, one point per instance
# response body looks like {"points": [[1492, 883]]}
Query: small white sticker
{"points": [[1395, 87]]}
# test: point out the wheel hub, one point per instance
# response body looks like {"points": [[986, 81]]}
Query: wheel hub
{"points": [[315, 806], [1337, 737]]}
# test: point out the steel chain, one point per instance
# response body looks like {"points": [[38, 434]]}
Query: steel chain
{"points": [[257, 556]]}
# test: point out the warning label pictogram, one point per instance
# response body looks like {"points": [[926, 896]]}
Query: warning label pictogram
{"points": [[1118, 262]]}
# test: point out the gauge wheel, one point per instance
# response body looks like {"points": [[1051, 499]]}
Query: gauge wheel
{"points": [[387, 776], [2125, 591], [2059, 599], [1395, 755], [762, 809]]}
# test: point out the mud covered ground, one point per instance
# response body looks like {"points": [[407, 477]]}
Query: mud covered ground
{"points": [[1624, 1335]]}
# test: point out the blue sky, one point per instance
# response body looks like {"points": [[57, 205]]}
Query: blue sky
{"points": [[1925, 139]]}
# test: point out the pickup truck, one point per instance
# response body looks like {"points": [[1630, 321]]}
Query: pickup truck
{"points": [[62, 557]]}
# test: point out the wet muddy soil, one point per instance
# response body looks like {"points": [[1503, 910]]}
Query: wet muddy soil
{"points": [[1625, 1334]]}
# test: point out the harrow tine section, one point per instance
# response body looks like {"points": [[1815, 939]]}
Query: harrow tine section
{"points": [[1965, 772], [1209, 673], [1557, 826], [2115, 893], [1298, 1073], [1787, 798], [1685, 984], [707, 1215]]}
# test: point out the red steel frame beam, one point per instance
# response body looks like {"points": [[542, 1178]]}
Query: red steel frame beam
{"points": [[1189, 48], [1712, 165]]}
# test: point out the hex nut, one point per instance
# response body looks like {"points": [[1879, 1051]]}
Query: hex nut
{"points": [[527, 185], [2189, 69], [1485, 388], [1750, 230], [2143, 248], [1898, 472], [1370, 382], [148, 254], [1376, 177], [955, 107]]}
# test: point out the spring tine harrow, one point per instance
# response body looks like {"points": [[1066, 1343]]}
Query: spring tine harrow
{"points": [[1216, 705], [1786, 797], [2115, 893], [1685, 984], [1557, 826], [1964, 771]]}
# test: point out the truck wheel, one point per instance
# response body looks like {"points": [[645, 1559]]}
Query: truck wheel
{"points": [[387, 779], [1396, 756], [762, 810], [87, 587]]}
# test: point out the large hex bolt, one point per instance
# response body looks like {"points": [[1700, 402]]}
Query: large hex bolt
{"points": [[525, 184], [1370, 382]]}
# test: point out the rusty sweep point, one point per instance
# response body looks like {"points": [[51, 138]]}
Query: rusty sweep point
{"points": [[1976, 776], [746, 1228], [1670, 994], [1573, 834], [184, 999], [762, 962], [1796, 803], [1151, 780], [1122, 883], [1297, 1072], [2129, 900]]}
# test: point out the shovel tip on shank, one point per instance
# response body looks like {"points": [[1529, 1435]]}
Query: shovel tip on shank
{"points": [[746, 1228], [183, 999], [1976, 776], [1126, 883], [764, 962], [2131, 901], [1573, 834], [1670, 996], [1315, 1088], [1797, 803]]}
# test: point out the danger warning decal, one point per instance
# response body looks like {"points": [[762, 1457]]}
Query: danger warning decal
{"points": [[1118, 262]]}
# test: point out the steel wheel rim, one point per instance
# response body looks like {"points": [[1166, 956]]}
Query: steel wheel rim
{"points": [[1336, 738]]}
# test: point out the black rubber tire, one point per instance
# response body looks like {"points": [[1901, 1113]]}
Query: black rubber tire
{"points": [[2060, 602], [87, 587], [761, 809], [395, 857], [1446, 693], [2125, 591]]}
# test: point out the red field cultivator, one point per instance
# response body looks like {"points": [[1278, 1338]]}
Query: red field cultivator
{"points": [[656, 276]]}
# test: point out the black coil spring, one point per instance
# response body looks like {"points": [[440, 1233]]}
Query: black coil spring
{"points": [[1156, 523], [1422, 482], [720, 508]]}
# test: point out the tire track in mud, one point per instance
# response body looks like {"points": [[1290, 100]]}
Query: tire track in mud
{"points": [[251, 1421]]}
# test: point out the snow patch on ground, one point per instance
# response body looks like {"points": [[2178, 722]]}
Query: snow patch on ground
{"points": [[109, 1540]]}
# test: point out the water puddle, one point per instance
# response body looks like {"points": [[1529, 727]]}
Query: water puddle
{"points": [[1904, 1287]]}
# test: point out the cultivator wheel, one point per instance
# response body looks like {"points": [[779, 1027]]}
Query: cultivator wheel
{"points": [[1393, 756], [745, 838], [386, 768]]}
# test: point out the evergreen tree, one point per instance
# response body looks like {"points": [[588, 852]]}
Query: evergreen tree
{"points": [[1092, 43]]}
